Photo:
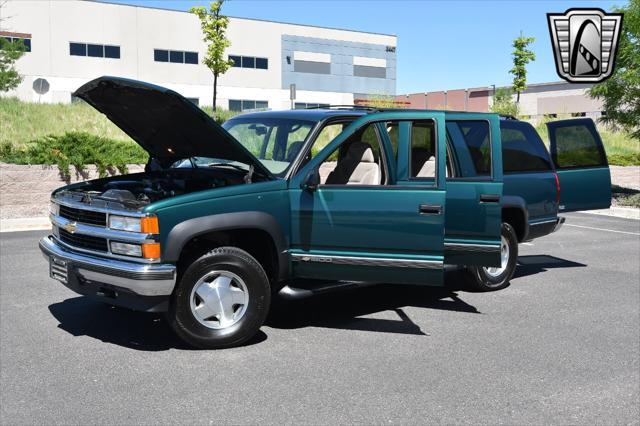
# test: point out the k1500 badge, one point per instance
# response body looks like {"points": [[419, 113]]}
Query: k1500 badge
{"points": [[585, 42]]}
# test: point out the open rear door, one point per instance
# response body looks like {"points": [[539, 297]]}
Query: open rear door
{"points": [[581, 164], [474, 192]]}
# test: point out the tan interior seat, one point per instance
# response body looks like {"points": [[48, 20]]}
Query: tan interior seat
{"points": [[356, 167]]}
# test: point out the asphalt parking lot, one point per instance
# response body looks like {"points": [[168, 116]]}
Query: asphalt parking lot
{"points": [[561, 344]]}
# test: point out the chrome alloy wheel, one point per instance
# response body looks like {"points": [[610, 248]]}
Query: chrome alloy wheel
{"points": [[495, 271], [219, 299]]}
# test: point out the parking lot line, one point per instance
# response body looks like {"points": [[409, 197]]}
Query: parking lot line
{"points": [[602, 229]]}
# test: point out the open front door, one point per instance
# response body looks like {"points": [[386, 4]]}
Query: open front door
{"points": [[365, 217], [474, 190], [581, 164]]}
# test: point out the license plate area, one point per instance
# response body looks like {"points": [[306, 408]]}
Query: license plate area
{"points": [[58, 269]]}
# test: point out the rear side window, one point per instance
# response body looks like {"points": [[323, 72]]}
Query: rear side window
{"points": [[472, 143], [522, 148], [423, 150], [576, 146]]}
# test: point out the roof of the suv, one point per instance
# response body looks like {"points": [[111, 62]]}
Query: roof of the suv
{"points": [[317, 114], [313, 114]]}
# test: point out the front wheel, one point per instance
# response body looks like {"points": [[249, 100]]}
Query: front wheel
{"points": [[221, 300], [496, 278]]}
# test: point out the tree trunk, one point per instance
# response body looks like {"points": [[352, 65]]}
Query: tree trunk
{"points": [[215, 91], [517, 97]]}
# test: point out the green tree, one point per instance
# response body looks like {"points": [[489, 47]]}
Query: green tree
{"points": [[10, 52], [503, 102], [521, 57], [214, 26], [621, 92]]}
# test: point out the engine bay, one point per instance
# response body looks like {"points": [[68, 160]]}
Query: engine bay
{"points": [[135, 191]]}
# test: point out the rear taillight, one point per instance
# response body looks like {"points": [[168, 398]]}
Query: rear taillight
{"points": [[557, 189]]}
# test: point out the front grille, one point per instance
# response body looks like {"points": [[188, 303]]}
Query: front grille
{"points": [[83, 216], [83, 241]]}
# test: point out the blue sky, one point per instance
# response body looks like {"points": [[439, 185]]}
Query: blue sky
{"points": [[441, 44]]}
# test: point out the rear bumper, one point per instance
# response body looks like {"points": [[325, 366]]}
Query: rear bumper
{"points": [[144, 287]]}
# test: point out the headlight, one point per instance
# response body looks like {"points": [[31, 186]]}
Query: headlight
{"points": [[124, 223], [126, 249], [54, 209], [146, 225]]}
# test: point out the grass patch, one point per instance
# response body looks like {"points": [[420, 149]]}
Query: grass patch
{"points": [[76, 149], [23, 122]]}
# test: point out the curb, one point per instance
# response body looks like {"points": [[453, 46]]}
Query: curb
{"points": [[25, 224], [623, 212]]}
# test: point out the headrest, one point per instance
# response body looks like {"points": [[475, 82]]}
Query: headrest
{"points": [[360, 152]]}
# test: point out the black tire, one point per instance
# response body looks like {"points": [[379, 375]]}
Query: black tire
{"points": [[482, 280], [243, 265]]}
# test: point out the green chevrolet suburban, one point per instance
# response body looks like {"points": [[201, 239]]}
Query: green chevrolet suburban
{"points": [[292, 202]]}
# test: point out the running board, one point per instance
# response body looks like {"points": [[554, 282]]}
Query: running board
{"points": [[296, 291]]}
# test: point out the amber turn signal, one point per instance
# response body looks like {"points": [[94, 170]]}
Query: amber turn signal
{"points": [[151, 251], [149, 225]]}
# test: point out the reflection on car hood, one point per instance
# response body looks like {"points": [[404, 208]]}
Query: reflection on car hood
{"points": [[164, 123]]}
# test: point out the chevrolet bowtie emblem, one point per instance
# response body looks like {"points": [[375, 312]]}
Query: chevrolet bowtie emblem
{"points": [[585, 42], [70, 227]]}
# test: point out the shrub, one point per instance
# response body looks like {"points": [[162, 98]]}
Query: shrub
{"points": [[77, 149], [221, 115]]}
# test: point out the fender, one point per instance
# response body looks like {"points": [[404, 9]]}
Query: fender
{"points": [[514, 201], [183, 232]]}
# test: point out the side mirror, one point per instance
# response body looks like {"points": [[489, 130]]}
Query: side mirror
{"points": [[311, 181]]}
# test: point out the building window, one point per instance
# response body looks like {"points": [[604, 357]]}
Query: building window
{"points": [[311, 67], [311, 62], [190, 57], [25, 41], [112, 52], [305, 105], [245, 105], [364, 66], [77, 49], [160, 55], [249, 62], [175, 56], [369, 72], [94, 50]]}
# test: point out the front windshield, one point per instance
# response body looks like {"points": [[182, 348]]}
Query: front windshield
{"points": [[276, 142]]}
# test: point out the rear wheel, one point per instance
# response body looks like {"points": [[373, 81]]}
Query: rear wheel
{"points": [[496, 278], [221, 300]]}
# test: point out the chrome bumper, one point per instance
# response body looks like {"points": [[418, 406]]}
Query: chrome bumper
{"points": [[559, 223], [140, 279]]}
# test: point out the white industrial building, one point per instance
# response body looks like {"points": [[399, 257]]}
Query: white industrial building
{"points": [[74, 41]]}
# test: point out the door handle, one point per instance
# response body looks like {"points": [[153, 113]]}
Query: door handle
{"points": [[430, 209], [489, 198]]}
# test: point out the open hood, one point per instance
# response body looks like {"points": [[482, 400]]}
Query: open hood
{"points": [[164, 123]]}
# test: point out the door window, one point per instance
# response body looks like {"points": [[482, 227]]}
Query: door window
{"points": [[471, 142], [576, 146], [357, 161], [422, 152]]}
